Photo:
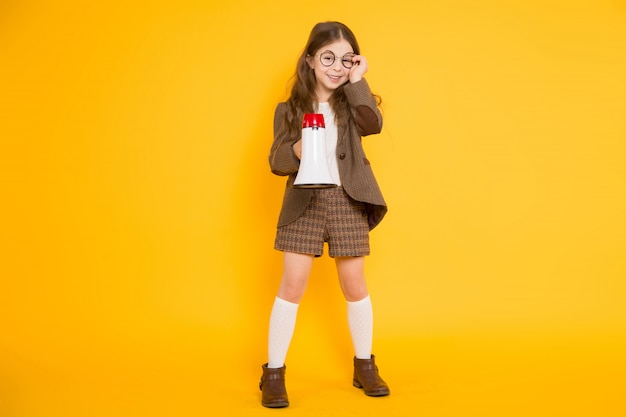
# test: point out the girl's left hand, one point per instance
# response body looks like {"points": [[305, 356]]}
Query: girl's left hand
{"points": [[358, 69]]}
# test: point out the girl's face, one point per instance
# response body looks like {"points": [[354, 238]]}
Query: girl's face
{"points": [[330, 64]]}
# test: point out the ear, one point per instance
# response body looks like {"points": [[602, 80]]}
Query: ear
{"points": [[309, 60]]}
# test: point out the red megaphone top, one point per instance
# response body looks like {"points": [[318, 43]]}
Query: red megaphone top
{"points": [[315, 120]]}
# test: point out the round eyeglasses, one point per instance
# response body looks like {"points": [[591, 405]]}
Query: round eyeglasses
{"points": [[327, 58]]}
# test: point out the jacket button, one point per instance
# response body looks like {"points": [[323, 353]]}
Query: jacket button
{"points": [[342, 156]]}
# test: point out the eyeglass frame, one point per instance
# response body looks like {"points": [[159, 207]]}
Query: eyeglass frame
{"points": [[343, 59]]}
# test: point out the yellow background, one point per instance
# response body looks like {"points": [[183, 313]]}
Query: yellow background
{"points": [[138, 210]]}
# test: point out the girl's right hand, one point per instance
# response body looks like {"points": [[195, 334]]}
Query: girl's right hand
{"points": [[359, 68], [297, 148]]}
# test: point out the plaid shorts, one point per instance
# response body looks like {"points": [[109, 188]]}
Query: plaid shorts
{"points": [[332, 216]]}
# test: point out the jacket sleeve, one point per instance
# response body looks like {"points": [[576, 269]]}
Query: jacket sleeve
{"points": [[283, 160], [362, 103]]}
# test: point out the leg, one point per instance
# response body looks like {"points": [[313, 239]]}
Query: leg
{"points": [[360, 316], [296, 269], [360, 320], [282, 323], [283, 318], [352, 277]]}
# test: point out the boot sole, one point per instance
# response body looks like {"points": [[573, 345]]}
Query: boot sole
{"points": [[357, 384], [275, 405]]}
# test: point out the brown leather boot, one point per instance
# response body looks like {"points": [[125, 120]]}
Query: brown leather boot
{"points": [[366, 377], [273, 388]]}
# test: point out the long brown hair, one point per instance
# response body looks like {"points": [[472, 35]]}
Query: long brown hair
{"points": [[303, 99]]}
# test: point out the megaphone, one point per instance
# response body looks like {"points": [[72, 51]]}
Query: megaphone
{"points": [[314, 171]]}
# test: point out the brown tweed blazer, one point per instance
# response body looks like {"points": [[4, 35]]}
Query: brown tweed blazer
{"points": [[355, 171]]}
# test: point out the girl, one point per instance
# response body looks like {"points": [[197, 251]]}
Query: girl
{"points": [[329, 80]]}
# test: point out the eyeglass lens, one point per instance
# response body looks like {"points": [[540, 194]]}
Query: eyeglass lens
{"points": [[327, 58]]}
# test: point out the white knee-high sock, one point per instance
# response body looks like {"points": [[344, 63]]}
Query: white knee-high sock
{"points": [[361, 324], [282, 324]]}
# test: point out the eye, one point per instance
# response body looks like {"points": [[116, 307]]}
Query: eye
{"points": [[327, 58]]}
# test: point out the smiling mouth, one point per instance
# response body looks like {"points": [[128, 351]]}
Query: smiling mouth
{"points": [[334, 77]]}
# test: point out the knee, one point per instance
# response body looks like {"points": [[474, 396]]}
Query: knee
{"points": [[354, 290], [292, 291], [354, 295]]}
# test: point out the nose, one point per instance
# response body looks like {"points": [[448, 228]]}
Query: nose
{"points": [[337, 65]]}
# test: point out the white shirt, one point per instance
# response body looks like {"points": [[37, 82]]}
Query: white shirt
{"points": [[331, 140]]}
